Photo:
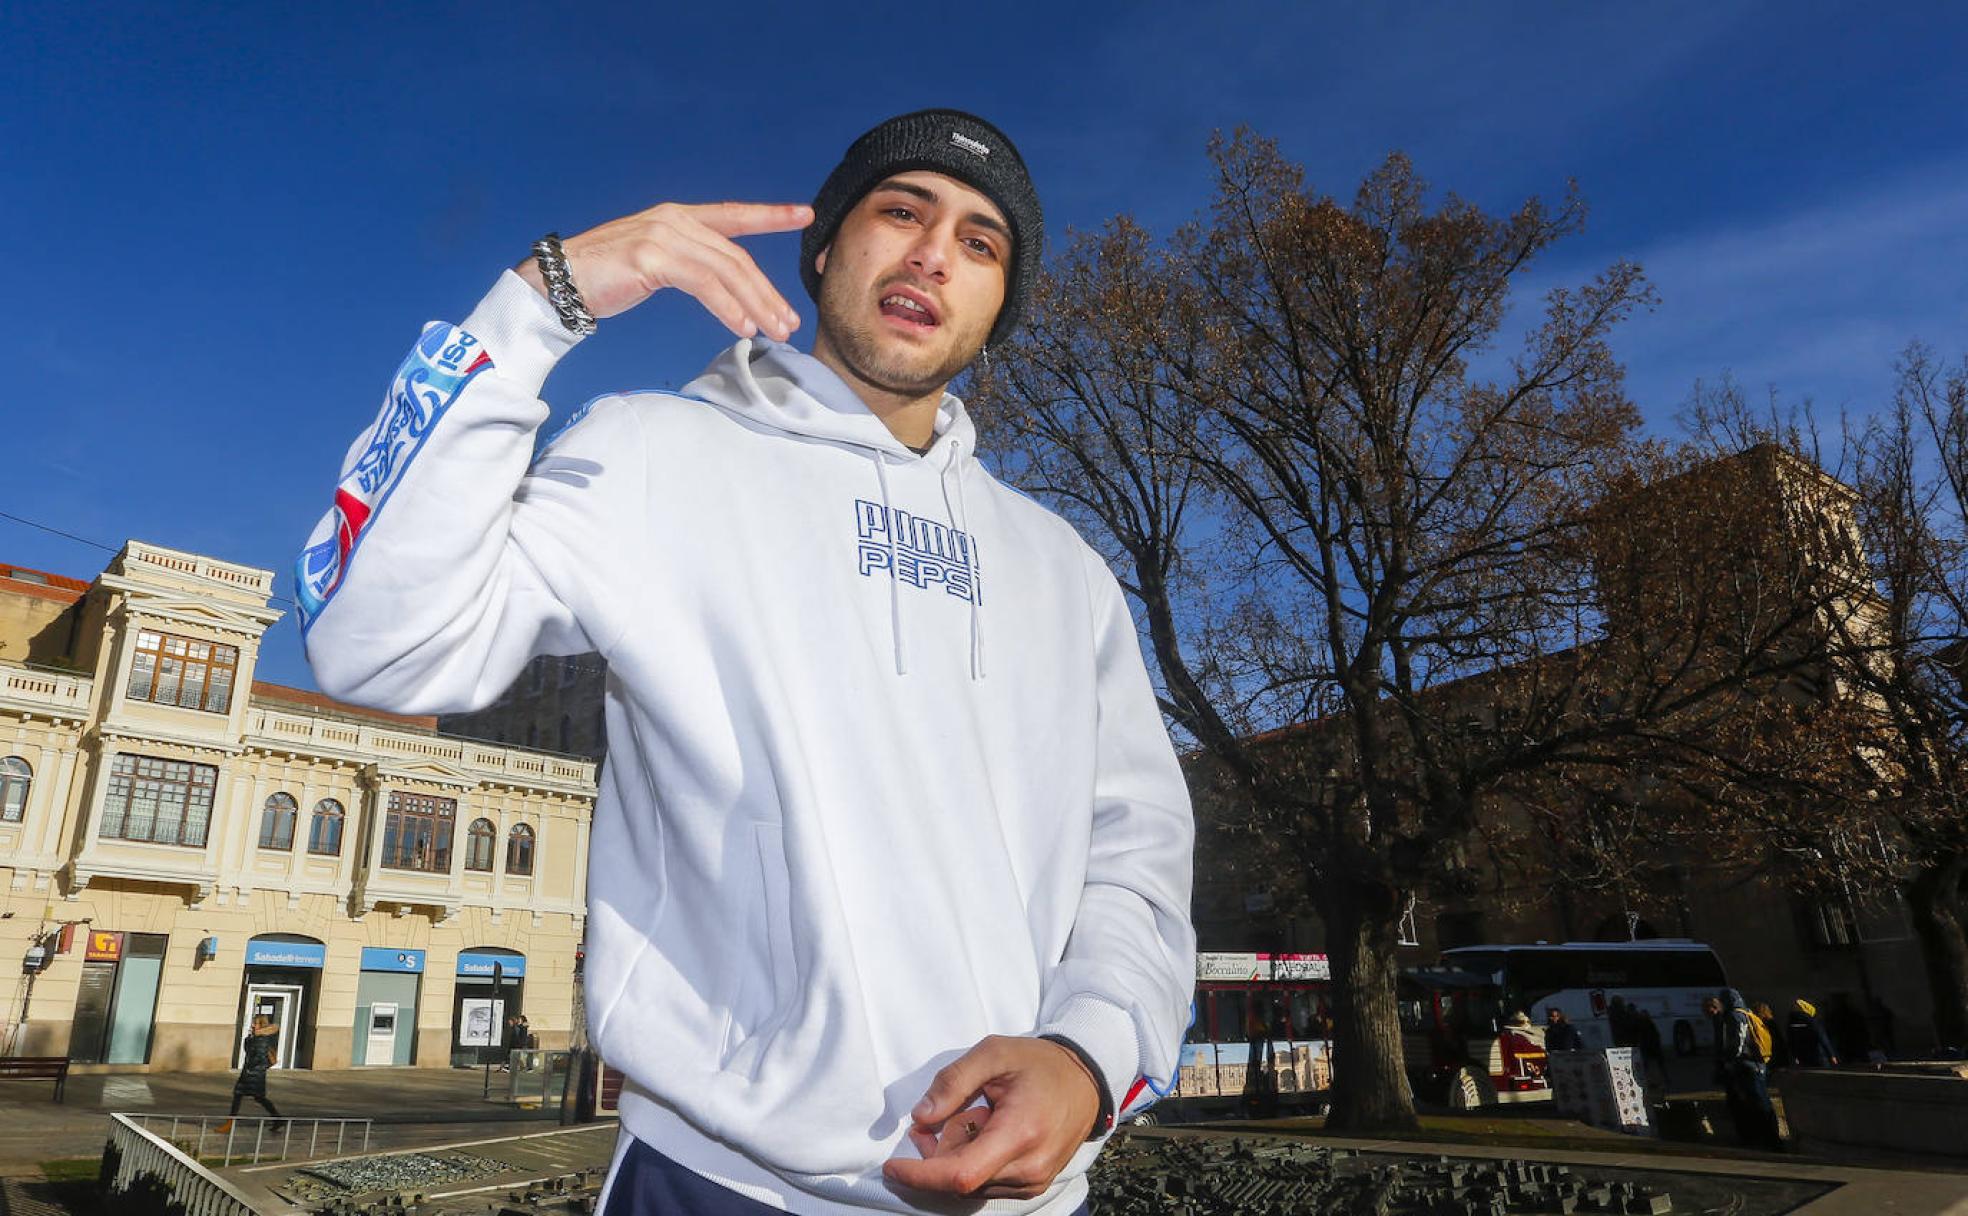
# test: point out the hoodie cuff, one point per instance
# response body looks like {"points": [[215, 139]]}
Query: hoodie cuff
{"points": [[520, 331], [1104, 1033]]}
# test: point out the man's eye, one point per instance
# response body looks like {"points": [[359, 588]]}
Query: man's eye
{"points": [[982, 246], [901, 213]]}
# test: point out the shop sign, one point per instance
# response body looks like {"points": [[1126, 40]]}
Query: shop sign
{"points": [[389, 958], [104, 946], [1300, 967], [285, 954], [1230, 967], [479, 966]]}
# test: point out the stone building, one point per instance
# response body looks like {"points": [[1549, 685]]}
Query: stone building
{"points": [[182, 845], [555, 704]]}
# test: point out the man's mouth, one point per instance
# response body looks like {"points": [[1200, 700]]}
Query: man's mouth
{"points": [[909, 308]]}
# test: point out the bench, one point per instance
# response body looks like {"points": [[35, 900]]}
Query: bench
{"points": [[36, 1068]]}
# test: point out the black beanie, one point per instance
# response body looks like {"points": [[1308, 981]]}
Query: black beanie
{"points": [[953, 143]]}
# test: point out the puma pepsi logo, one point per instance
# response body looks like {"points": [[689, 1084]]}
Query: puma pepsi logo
{"points": [[926, 553]]}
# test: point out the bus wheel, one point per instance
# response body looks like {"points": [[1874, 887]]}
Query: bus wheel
{"points": [[1145, 1119], [1684, 1039], [1470, 1090]]}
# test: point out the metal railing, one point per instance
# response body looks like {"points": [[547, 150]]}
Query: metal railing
{"points": [[532, 1075], [226, 1136], [141, 1154]]}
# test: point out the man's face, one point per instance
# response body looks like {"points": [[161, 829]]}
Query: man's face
{"points": [[913, 281], [1551, 1016], [1712, 1006]]}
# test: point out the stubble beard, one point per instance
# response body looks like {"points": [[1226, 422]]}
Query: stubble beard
{"points": [[876, 363]]}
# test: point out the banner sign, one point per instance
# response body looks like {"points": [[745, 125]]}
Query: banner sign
{"points": [[479, 966], [1230, 968], [285, 954], [1300, 967], [388, 958], [104, 946]]}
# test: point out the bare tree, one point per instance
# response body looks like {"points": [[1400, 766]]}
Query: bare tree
{"points": [[1336, 502]]}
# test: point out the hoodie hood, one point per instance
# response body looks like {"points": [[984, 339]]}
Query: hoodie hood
{"points": [[1731, 999], [775, 385], [1806, 1008]]}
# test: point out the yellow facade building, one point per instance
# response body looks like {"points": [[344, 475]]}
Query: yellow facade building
{"points": [[182, 846]]}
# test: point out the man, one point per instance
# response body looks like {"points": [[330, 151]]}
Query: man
{"points": [[1742, 1069], [1559, 1033], [889, 885]]}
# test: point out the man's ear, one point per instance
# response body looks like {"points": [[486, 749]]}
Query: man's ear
{"points": [[820, 261]]}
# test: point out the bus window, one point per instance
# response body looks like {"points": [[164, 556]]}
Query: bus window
{"points": [[1198, 1031], [1228, 1009], [1416, 1015], [1304, 1016]]}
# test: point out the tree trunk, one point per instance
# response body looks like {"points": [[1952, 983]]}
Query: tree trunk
{"points": [[1370, 1085], [1940, 917]]}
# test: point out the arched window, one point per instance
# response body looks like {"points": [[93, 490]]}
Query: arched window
{"points": [[519, 850], [480, 840], [325, 831], [15, 776], [277, 822]]}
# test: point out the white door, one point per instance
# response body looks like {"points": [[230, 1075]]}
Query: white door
{"points": [[282, 1003]]}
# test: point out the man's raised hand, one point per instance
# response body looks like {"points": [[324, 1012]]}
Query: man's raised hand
{"points": [[618, 265]]}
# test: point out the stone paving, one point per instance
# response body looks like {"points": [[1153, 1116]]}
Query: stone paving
{"points": [[409, 1106], [440, 1110]]}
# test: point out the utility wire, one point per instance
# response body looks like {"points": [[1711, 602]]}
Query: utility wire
{"points": [[83, 540]]}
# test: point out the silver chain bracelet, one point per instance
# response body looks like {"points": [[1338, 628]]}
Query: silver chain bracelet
{"points": [[561, 292]]}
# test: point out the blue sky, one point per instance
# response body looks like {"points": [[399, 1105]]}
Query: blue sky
{"points": [[226, 223]]}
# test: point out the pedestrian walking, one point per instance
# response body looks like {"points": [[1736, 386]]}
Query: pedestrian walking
{"points": [[891, 864], [1810, 1045], [1742, 1068], [256, 1059]]}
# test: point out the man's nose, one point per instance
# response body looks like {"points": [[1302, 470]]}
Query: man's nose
{"points": [[930, 255]]}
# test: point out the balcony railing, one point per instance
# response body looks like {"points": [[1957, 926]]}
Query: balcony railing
{"points": [[309, 732], [39, 690]]}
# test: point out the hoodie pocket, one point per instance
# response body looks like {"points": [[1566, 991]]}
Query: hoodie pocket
{"points": [[764, 999]]}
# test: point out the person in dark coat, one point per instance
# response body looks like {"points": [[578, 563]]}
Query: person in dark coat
{"points": [[1810, 1046], [256, 1060], [1742, 1072], [1780, 1056], [1559, 1033]]}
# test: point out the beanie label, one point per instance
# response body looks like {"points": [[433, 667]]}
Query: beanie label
{"points": [[968, 144]]}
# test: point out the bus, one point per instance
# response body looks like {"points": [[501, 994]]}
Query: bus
{"points": [[1457, 1045], [1236, 994], [1665, 978]]}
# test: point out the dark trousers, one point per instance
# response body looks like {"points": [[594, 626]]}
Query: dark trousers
{"points": [[650, 1184], [1747, 1087]]}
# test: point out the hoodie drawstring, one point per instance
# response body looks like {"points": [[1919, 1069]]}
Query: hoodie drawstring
{"points": [[955, 462], [894, 574], [960, 520]]}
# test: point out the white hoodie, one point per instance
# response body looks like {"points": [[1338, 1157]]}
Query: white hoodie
{"points": [[850, 824]]}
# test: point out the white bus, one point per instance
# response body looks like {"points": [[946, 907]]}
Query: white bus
{"points": [[1665, 978]]}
